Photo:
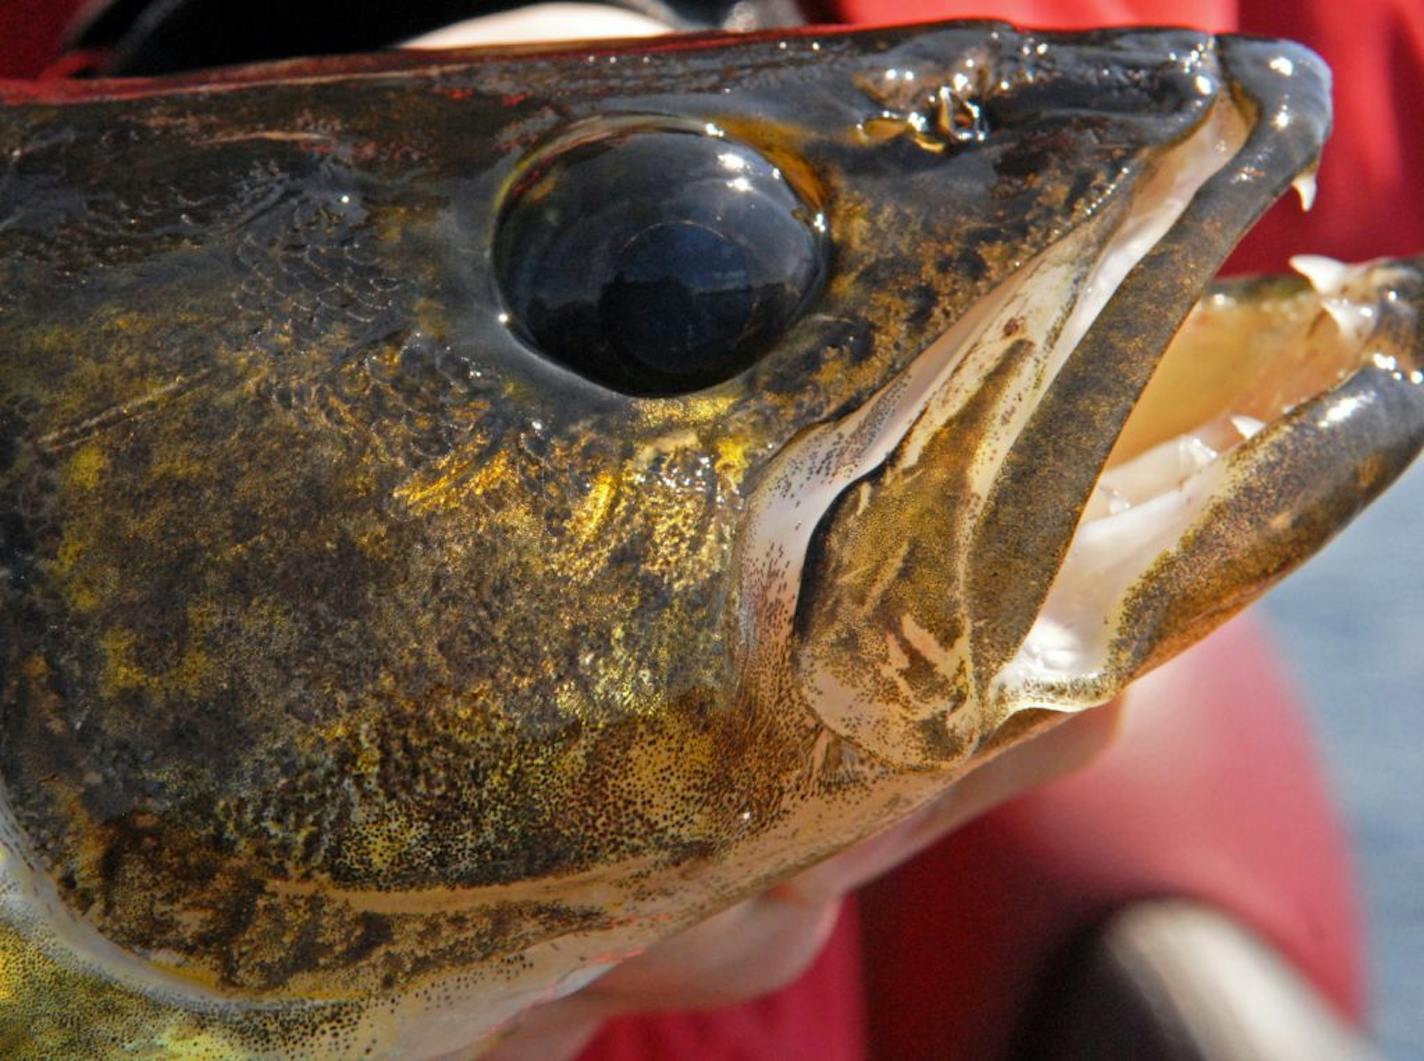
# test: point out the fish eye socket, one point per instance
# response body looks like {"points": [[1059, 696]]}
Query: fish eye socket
{"points": [[657, 259]]}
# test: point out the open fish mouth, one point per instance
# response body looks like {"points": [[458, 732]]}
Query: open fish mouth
{"points": [[1106, 456], [1278, 410]]}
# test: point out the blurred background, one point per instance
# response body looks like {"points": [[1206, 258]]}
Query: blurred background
{"points": [[1350, 625]]}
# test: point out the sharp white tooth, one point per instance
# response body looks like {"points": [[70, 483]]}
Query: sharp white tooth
{"points": [[1304, 186], [1105, 501], [1160, 468], [1193, 454], [1167, 465], [1354, 320], [1326, 275], [1248, 426], [1333, 281]]}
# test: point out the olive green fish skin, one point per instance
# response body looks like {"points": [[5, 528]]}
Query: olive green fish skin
{"points": [[336, 622]]}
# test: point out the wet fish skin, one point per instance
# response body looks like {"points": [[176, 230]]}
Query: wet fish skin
{"points": [[364, 672]]}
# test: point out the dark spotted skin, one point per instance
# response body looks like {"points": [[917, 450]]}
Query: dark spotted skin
{"points": [[337, 627]]}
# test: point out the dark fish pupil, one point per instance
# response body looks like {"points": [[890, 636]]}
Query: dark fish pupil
{"points": [[658, 260], [680, 298]]}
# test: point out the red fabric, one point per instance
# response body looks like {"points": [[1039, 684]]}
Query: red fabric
{"points": [[1190, 802], [30, 34], [1213, 15], [1371, 173], [821, 1017]]}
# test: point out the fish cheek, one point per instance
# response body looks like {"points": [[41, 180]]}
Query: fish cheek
{"points": [[881, 632]]}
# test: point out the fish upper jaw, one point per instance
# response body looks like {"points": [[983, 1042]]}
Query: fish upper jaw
{"points": [[926, 562]]}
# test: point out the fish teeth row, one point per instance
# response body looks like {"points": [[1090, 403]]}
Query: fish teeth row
{"points": [[1167, 465]]}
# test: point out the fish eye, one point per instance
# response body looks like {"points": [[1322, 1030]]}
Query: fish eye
{"points": [[656, 260]]}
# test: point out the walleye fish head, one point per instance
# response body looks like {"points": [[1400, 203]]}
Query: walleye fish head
{"points": [[467, 513]]}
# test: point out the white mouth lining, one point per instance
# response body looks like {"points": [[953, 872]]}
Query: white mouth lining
{"points": [[808, 477], [1120, 536], [1068, 642]]}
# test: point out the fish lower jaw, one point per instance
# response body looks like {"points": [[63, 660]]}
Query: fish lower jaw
{"points": [[1255, 361]]}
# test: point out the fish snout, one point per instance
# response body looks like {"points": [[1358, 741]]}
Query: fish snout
{"points": [[1097, 463]]}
